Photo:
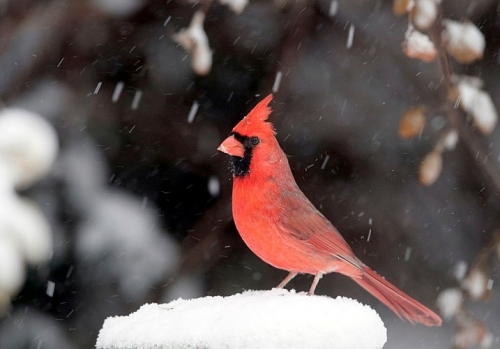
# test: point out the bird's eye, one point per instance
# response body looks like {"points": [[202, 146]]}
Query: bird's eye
{"points": [[254, 141]]}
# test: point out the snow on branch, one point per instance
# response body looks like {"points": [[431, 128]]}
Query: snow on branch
{"points": [[252, 319], [418, 45], [194, 40]]}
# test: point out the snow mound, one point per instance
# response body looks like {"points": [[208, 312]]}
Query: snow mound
{"points": [[252, 319]]}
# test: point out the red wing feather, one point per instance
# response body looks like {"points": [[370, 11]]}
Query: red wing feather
{"points": [[305, 222]]}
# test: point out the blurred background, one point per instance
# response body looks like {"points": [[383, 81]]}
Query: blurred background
{"points": [[137, 201]]}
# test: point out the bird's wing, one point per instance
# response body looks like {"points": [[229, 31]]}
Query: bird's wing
{"points": [[305, 222]]}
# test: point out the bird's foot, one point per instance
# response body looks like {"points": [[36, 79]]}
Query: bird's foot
{"points": [[317, 277], [290, 276]]}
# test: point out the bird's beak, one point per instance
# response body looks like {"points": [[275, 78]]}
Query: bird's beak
{"points": [[232, 147]]}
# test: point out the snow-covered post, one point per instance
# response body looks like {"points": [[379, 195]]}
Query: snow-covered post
{"points": [[252, 319]]}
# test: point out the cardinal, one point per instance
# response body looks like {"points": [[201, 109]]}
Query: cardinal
{"points": [[283, 228]]}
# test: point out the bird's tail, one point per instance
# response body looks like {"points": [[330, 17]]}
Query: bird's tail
{"points": [[399, 302]]}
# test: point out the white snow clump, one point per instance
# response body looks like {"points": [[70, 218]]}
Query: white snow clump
{"points": [[425, 13], [28, 148], [449, 302], [476, 284], [464, 41], [194, 41], [418, 45], [478, 104], [237, 6], [28, 144], [254, 319]]}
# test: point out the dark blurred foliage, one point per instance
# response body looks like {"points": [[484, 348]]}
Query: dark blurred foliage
{"points": [[64, 59]]}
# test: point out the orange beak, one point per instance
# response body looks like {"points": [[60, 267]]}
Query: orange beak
{"points": [[232, 147]]}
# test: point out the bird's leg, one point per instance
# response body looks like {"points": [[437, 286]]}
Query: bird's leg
{"points": [[287, 279], [317, 277]]}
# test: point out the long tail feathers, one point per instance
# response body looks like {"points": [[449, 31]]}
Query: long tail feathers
{"points": [[400, 303]]}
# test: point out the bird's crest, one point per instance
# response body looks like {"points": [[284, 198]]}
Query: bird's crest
{"points": [[255, 121]]}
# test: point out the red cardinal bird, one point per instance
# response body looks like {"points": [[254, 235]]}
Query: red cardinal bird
{"points": [[281, 226]]}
